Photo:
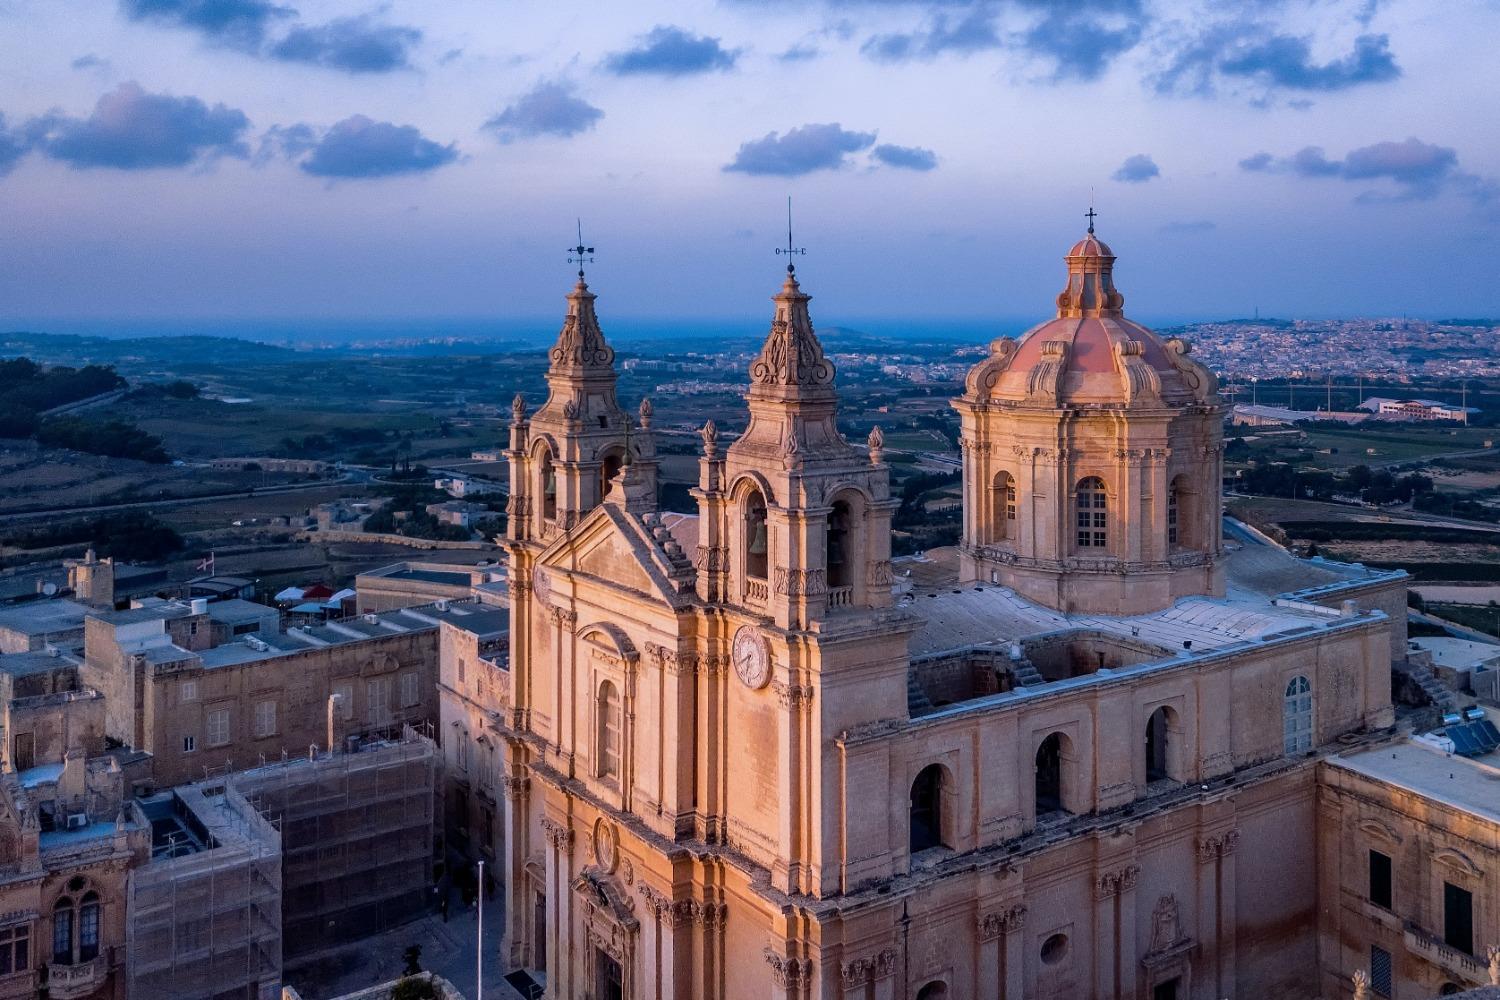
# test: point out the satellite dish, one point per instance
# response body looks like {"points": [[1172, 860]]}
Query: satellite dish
{"points": [[49, 589]]}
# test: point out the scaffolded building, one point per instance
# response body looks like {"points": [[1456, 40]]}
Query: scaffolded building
{"points": [[357, 838], [205, 911]]}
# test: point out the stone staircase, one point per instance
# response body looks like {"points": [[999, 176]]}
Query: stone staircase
{"points": [[917, 702], [1436, 692], [1026, 674]]}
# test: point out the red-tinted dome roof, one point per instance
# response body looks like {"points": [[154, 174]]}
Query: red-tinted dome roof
{"points": [[1091, 246]]}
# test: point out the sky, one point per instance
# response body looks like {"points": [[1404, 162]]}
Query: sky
{"points": [[197, 160]]}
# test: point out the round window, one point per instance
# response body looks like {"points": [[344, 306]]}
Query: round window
{"points": [[1055, 949]]}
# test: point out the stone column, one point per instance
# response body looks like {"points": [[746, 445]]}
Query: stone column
{"points": [[516, 786], [789, 868], [1114, 932], [1001, 962], [791, 977], [559, 906], [1216, 906]]}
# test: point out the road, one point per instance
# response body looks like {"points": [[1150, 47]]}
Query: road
{"points": [[352, 477]]}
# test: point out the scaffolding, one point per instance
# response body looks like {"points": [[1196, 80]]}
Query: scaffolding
{"points": [[204, 914], [357, 838]]}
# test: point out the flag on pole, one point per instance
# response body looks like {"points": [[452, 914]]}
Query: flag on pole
{"points": [[206, 564]]}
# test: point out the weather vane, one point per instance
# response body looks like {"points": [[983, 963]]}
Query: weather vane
{"points": [[789, 250], [580, 254]]}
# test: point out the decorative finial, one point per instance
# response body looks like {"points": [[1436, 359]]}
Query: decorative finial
{"points": [[710, 435], [1361, 985], [518, 408], [646, 411], [627, 421], [580, 254], [790, 250], [1090, 215], [876, 441], [1493, 954]]}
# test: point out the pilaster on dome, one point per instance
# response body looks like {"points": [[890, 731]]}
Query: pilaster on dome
{"points": [[792, 358], [581, 348], [1091, 286]]}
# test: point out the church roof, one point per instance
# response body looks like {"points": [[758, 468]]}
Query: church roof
{"points": [[1089, 353]]}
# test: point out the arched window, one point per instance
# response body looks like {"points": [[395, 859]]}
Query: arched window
{"points": [[1181, 515], [549, 487], [1156, 744], [936, 990], [1049, 776], [608, 710], [756, 542], [1004, 506], [1297, 715], [927, 809], [608, 469], [838, 545], [1093, 514], [88, 927], [62, 932]]}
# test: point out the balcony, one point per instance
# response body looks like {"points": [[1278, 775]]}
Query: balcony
{"points": [[840, 597], [65, 982], [757, 592], [1436, 951]]}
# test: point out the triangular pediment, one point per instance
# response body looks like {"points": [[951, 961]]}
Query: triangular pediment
{"points": [[613, 548]]}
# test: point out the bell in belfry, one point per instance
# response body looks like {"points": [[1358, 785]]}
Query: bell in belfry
{"points": [[758, 540]]}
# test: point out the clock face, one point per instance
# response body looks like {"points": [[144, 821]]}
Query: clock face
{"points": [[751, 656]]}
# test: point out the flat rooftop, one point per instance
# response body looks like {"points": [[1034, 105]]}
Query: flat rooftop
{"points": [[1470, 785], [43, 617], [233, 611], [453, 578], [485, 621], [1459, 654], [24, 664], [423, 618]]}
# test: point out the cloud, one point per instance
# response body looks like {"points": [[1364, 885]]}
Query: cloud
{"points": [[237, 23], [89, 61], [1137, 169], [905, 157], [1419, 170], [1286, 61], [670, 51], [12, 147], [133, 130], [352, 44], [1250, 51], [1084, 38], [799, 53], [359, 147], [1187, 228], [549, 108], [974, 32], [801, 151]]}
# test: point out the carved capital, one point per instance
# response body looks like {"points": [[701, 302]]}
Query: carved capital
{"points": [[800, 582], [515, 787], [992, 925], [881, 574], [558, 835], [788, 973], [792, 695], [1109, 884], [710, 916], [566, 619], [1214, 847]]}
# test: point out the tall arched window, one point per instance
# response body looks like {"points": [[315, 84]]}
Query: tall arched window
{"points": [[88, 927], [549, 487], [927, 809], [608, 710], [62, 932], [1093, 514], [1297, 715], [608, 469], [838, 545], [1049, 775], [756, 541], [1156, 744], [1004, 506], [1181, 516]]}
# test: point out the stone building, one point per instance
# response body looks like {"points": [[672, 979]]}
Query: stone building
{"points": [[69, 836], [738, 765]]}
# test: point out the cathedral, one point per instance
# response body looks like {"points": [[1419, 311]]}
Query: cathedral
{"points": [[743, 757]]}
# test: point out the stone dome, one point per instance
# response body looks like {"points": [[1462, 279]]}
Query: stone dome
{"points": [[1089, 353]]}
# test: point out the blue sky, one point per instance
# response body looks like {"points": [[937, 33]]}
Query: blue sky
{"points": [[352, 159]]}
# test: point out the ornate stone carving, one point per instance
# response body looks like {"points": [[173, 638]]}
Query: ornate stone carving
{"points": [[713, 558], [515, 787], [800, 582], [876, 443], [791, 355], [710, 435], [659, 903], [646, 412], [881, 574], [788, 973], [558, 835], [1166, 924], [518, 408], [998, 922], [570, 410], [710, 916], [1214, 847], [1109, 884], [791, 695], [567, 619], [868, 970]]}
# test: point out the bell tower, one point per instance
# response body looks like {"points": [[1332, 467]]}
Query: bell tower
{"points": [[797, 520], [564, 457]]}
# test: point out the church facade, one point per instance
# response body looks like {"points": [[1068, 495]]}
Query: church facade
{"points": [[741, 760]]}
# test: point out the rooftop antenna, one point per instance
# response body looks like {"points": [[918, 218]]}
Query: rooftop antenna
{"points": [[790, 250], [580, 254]]}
